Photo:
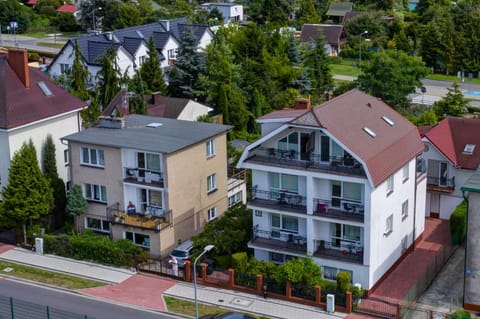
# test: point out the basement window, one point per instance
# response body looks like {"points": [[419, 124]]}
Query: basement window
{"points": [[369, 132], [469, 149], [43, 86], [388, 121]]}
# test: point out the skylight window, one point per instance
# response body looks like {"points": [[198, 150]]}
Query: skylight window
{"points": [[154, 124], [469, 149], [388, 121], [140, 34], [43, 86], [369, 132]]}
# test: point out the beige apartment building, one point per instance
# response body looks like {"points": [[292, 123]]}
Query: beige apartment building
{"points": [[152, 180]]}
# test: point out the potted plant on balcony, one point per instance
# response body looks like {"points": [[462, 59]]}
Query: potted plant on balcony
{"points": [[122, 219], [158, 224]]}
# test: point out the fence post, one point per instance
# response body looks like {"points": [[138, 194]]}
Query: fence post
{"points": [[349, 301], [48, 312], [288, 289], [318, 295], [231, 278], [204, 272], [11, 308], [187, 269], [259, 284]]}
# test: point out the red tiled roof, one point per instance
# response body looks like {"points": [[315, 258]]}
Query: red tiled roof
{"points": [[331, 32], [21, 105], [283, 114], [345, 118], [450, 137], [67, 8], [32, 2]]}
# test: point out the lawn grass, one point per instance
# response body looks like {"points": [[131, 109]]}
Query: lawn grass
{"points": [[47, 277], [51, 44], [344, 69], [186, 307], [452, 78]]}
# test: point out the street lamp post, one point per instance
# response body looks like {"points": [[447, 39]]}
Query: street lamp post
{"points": [[205, 250], [360, 51], [93, 18]]}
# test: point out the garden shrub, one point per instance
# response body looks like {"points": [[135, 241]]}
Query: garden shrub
{"points": [[240, 262], [223, 261], [458, 223], [460, 314], [343, 281]]}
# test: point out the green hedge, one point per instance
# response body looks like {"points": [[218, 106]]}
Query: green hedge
{"points": [[458, 223], [92, 247]]}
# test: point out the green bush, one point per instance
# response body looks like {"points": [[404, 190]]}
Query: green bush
{"points": [[460, 314], [343, 281], [240, 262], [458, 223], [89, 246]]}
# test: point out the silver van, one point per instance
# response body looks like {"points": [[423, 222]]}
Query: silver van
{"points": [[182, 252]]}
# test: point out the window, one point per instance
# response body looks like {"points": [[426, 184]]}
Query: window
{"points": [[235, 199], [142, 59], [258, 213], [388, 225], [289, 142], [405, 172], [95, 193], [97, 224], [64, 67], [172, 54], [138, 239], [405, 210], [148, 161], [150, 198], [390, 185], [277, 258], [212, 183], [210, 148], [345, 191], [92, 157], [330, 273], [66, 157], [212, 213], [284, 223], [281, 182]]}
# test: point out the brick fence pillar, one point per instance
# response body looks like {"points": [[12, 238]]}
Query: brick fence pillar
{"points": [[231, 278], [288, 289], [349, 301], [188, 270], [318, 295], [260, 285], [204, 272]]}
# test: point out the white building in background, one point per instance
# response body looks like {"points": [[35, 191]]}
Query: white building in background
{"points": [[231, 12], [337, 182]]}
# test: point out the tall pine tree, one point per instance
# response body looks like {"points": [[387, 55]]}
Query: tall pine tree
{"points": [[108, 77], [28, 195], [77, 75]]}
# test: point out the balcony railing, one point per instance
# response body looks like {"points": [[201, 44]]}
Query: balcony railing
{"points": [[344, 165], [281, 200], [341, 249], [143, 176], [279, 240], [346, 209], [146, 220], [441, 182]]}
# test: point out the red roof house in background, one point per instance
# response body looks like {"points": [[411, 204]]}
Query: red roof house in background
{"points": [[71, 8]]}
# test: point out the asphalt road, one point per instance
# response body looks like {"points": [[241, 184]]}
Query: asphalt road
{"points": [[28, 43], [73, 302]]}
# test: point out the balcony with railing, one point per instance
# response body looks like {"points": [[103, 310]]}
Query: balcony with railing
{"points": [[279, 200], [440, 184], [143, 176], [278, 241], [310, 161], [154, 217], [343, 209], [339, 249]]}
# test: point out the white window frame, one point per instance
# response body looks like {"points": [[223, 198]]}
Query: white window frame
{"points": [[144, 244], [66, 157], [327, 270], [99, 157], [104, 225], [390, 184], [212, 213], [235, 199], [211, 148], [388, 225], [404, 210], [64, 67], [405, 172], [212, 183], [283, 223], [91, 189]]}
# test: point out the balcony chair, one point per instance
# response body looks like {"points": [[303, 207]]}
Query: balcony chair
{"points": [[349, 208]]}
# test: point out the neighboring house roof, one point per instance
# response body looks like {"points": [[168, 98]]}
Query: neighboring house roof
{"points": [[349, 116], [71, 8], [98, 49], [132, 44], [157, 105], [338, 9], [450, 137], [331, 33], [281, 115], [32, 2], [351, 15], [167, 136], [27, 95]]}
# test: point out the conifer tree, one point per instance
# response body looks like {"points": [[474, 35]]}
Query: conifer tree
{"points": [[76, 204], [108, 77], [77, 75], [151, 71], [28, 195]]}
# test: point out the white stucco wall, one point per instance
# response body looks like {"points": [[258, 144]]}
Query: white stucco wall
{"points": [[64, 57], [193, 110], [171, 44], [204, 41]]}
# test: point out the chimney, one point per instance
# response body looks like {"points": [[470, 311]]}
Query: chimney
{"points": [[112, 122], [3, 91], [302, 104], [18, 61], [125, 103], [156, 97], [109, 35]]}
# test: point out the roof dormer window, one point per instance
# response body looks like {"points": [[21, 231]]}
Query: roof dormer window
{"points": [[469, 149]]}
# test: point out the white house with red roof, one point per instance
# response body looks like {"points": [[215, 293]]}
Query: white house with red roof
{"points": [[31, 107], [337, 182], [452, 156]]}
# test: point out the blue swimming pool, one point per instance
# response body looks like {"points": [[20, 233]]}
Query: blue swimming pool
{"points": [[471, 92]]}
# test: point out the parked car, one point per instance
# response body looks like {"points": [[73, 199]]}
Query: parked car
{"points": [[182, 252], [228, 315]]}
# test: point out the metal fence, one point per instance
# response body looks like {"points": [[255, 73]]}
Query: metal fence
{"points": [[19, 309], [246, 280]]}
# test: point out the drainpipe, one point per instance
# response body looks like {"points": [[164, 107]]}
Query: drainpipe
{"points": [[465, 197]]}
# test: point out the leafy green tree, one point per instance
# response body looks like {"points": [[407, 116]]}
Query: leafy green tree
{"points": [[120, 15], [392, 75], [453, 104], [66, 22], [49, 167], [91, 113], [77, 205], [264, 11], [27, 195], [318, 66], [229, 233], [13, 10], [299, 270], [185, 73], [92, 11], [307, 13], [108, 77]]}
